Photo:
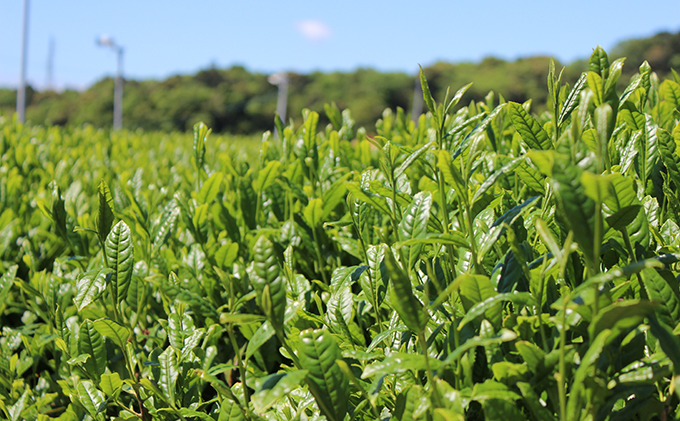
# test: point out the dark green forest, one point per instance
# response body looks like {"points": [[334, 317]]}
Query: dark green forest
{"points": [[238, 101]]}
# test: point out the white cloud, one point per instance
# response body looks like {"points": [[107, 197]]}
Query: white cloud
{"points": [[314, 30]]}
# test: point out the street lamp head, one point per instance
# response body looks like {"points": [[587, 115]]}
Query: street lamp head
{"points": [[278, 78], [106, 41]]}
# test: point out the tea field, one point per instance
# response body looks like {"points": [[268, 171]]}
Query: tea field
{"points": [[486, 263]]}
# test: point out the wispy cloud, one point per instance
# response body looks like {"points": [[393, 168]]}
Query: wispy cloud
{"points": [[314, 30]]}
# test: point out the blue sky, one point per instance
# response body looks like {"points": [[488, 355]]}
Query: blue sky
{"points": [[163, 38]]}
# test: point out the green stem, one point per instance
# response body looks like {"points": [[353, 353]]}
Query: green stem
{"points": [[241, 367], [430, 376], [319, 259], [563, 366]]}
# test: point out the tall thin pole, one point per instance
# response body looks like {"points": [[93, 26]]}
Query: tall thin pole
{"points": [[106, 41], [281, 80], [21, 92], [118, 94]]}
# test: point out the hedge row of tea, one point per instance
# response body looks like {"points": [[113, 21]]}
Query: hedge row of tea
{"points": [[484, 263]]}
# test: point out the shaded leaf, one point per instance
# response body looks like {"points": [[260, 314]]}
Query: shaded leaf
{"points": [[329, 386]]}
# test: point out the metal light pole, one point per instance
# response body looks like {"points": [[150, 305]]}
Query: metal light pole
{"points": [[21, 91], [281, 80], [106, 41]]}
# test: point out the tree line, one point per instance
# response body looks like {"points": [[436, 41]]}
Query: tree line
{"points": [[239, 101]]}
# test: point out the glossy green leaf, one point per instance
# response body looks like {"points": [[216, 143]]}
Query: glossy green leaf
{"points": [[374, 200], [229, 411], [105, 217], [169, 371], [572, 100], [115, 331], [269, 282], [267, 175], [427, 96], [398, 363], [620, 317], [413, 156], [210, 188], [314, 213], [532, 133], [334, 196], [622, 201], [275, 387], [531, 399], [403, 300], [414, 224], [196, 302], [504, 335], [110, 383], [660, 292], [474, 289], [597, 87], [120, 254], [669, 156], [671, 92], [491, 389], [90, 343], [670, 344], [510, 166], [450, 172], [491, 306], [577, 208], [201, 133], [91, 399], [317, 353], [411, 403], [592, 355], [90, 286]]}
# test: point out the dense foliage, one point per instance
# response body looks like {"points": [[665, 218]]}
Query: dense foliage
{"points": [[238, 101], [485, 263]]}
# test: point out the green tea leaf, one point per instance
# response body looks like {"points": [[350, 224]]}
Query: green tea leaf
{"points": [[427, 96], [620, 317], [229, 411], [90, 286], [91, 399], [115, 331], [267, 175], [414, 224], [210, 188], [491, 306], [330, 388], [110, 383], [399, 363], [574, 403], [169, 373], [275, 387], [90, 343], [402, 298], [105, 217], [120, 254], [532, 133], [660, 292], [314, 213], [572, 100], [269, 282]]}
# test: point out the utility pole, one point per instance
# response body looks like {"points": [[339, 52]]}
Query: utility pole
{"points": [[106, 41], [280, 80], [21, 91]]}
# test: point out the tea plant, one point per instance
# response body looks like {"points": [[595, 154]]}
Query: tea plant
{"points": [[484, 263]]}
